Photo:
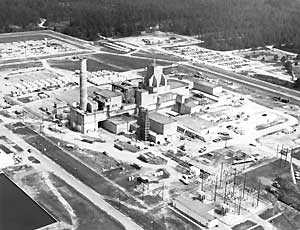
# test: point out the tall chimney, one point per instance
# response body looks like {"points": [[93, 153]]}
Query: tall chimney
{"points": [[83, 84]]}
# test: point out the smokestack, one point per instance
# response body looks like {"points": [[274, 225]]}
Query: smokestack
{"points": [[83, 84]]}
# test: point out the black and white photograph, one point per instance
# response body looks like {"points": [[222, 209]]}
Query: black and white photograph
{"points": [[149, 114]]}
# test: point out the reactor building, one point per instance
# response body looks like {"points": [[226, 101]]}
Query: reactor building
{"points": [[126, 105]]}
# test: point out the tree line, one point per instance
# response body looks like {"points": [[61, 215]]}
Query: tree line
{"points": [[222, 24]]}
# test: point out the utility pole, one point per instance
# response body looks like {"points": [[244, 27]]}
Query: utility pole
{"points": [[281, 156], [291, 160], [163, 192], [258, 194], [234, 178], [286, 154], [216, 186], [225, 192], [240, 202], [221, 174], [202, 181], [244, 186]]}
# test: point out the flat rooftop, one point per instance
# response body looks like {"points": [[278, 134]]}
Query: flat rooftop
{"points": [[72, 95], [118, 120], [191, 103], [196, 207], [124, 84], [92, 91], [194, 123], [206, 83], [174, 83], [160, 118]]}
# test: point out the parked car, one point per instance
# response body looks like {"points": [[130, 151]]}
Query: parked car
{"points": [[217, 139], [203, 149], [185, 179]]}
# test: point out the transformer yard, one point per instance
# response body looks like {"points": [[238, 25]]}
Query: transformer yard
{"points": [[148, 132]]}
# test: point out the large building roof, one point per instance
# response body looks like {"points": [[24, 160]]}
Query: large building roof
{"points": [[122, 119], [206, 84], [92, 91], [174, 83], [196, 207], [160, 118]]}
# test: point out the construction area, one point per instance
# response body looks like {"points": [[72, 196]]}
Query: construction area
{"points": [[162, 141]]}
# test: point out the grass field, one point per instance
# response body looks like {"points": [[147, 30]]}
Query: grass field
{"points": [[18, 37], [43, 195], [283, 223], [288, 193], [89, 216], [21, 66], [18, 210], [244, 226], [268, 213], [92, 65], [125, 62], [165, 221]]}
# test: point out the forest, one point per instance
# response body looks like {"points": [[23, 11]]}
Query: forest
{"points": [[222, 24]]}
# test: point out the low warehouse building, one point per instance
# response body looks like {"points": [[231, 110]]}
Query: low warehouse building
{"points": [[118, 124], [208, 88], [196, 210]]}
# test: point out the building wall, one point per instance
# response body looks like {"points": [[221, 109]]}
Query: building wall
{"points": [[156, 138], [91, 121], [208, 88], [110, 126], [115, 103], [143, 123], [196, 109], [167, 104], [117, 128], [85, 122], [217, 91], [145, 99], [163, 129], [156, 127], [184, 109], [76, 120], [185, 91]]}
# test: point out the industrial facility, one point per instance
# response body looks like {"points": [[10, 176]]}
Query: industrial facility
{"points": [[141, 128], [117, 108]]}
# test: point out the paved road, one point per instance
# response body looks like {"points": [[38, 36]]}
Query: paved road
{"points": [[83, 189], [291, 94]]}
